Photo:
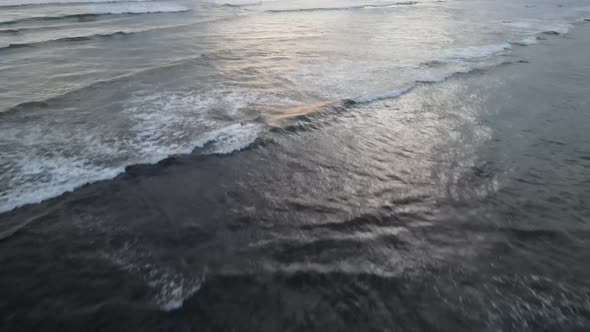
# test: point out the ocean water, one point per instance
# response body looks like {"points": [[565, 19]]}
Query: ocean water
{"points": [[90, 87], [294, 165]]}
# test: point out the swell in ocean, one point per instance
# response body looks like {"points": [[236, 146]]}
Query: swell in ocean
{"points": [[320, 9], [393, 211], [70, 39], [423, 212], [29, 3], [81, 17], [228, 137], [240, 136]]}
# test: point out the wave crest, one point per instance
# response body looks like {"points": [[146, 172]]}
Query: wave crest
{"points": [[117, 8], [389, 5]]}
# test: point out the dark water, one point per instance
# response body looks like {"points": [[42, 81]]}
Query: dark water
{"points": [[294, 166], [459, 206]]}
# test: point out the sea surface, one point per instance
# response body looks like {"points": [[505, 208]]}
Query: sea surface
{"points": [[88, 88], [333, 165]]}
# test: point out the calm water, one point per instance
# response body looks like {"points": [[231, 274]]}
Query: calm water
{"points": [[294, 165]]}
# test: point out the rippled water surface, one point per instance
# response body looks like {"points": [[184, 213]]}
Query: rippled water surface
{"points": [[294, 165], [91, 87]]}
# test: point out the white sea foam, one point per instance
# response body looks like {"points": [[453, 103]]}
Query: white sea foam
{"points": [[173, 291], [151, 127], [532, 27], [476, 52], [170, 286], [56, 175], [166, 124], [67, 176], [173, 294], [162, 126], [234, 138], [526, 41]]}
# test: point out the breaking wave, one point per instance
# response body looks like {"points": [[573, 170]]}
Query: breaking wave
{"points": [[105, 9], [394, 4]]}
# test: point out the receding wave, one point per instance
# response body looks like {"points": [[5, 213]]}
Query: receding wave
{"points": [[394, 4]]}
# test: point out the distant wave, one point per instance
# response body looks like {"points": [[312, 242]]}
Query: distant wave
{"points": [[78, 38], [242, 5], [19, 30], [125, 10], [49, 18], [12, 4], [11, 31], [69, 39], [45, 102], [468, 53], [394, 4]]}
